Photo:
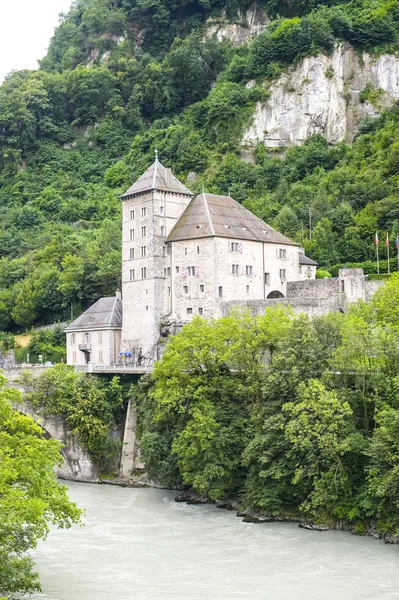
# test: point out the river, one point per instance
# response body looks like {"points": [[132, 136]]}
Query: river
{"points": [[138, 544]]}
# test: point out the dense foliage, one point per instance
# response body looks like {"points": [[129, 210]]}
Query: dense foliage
{"points": [[91, 406], [292, 416], [123, 77], [43, 346], [30, 495]]}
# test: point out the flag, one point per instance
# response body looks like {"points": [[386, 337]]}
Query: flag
{"points": [[387, 240], [397, 242], [376, 238]]}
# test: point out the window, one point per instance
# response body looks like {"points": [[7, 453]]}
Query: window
{"points": [[144, 211], [131, 215], [235, 269], [132, 234], [146, 307], [146, 291], [185, 251], [164, 251], [192, 271], [143, 251], [169, 291], [73, 338], [164, 271], [235, 247], [143, 272], [100, 356], [247, 289], [202, 288], [144, 231], [282, 274], [267, 278], [100, 337], [162, 230], [87, 338], [185, 289], [189, 311], [162, 210], [168, 270], [342, 286], [282, 253], [197, 249], [177, 269], [169, 249], [200, 311], [220, 291], [92, 319], [74, 357], [131, 253], [132, 277], [249, 270]]}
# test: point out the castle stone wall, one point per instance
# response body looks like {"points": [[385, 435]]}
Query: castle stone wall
{"points": [[310, 306], [318, 289]]}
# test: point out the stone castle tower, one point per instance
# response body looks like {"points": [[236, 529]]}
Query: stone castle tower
{"points": [[151, 207]]}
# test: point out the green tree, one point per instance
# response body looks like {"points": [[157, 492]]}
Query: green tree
{"points": [[24, 310], [30, 495]]}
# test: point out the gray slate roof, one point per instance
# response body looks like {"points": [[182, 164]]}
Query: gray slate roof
{"points": [[157, 177], [304, 260], [105, 313], [209, 215]]}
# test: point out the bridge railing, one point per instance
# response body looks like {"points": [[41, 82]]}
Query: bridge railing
{"points": [[117, 368]]}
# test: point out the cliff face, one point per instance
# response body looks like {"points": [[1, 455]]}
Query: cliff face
{"points": [[328, 95], [250, 24]]}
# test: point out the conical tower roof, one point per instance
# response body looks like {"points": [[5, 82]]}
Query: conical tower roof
{"points": [[157, 177]]}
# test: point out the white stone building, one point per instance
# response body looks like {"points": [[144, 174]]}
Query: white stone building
{"points": [[185, 255], [95, 336]]}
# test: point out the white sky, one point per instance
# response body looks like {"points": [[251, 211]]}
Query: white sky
{"points": [[26, 27]]}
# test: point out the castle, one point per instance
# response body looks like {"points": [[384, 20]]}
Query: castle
{"points": [[185, 255]]}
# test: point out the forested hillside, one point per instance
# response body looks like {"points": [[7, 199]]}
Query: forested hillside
{"points": [[123, 77]]}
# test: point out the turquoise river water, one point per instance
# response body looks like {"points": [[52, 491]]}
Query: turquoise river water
{"points": [[138, 544]]}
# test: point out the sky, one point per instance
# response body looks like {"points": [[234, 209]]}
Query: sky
{"points": [[26, 27]]}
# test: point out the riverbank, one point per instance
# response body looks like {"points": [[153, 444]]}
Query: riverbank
{"points": [[249, 516], [190, 497]]}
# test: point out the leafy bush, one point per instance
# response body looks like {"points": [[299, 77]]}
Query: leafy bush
{"points": [[288, 40], [49, 344], [322, 274]]}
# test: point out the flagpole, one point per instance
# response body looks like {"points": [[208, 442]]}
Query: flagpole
{"points": [[376, 240], [397, 246]]}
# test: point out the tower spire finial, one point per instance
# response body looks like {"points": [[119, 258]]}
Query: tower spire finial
{"points": [[156, 154]]}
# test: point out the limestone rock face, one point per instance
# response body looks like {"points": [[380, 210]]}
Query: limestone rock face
{"points": [[254, 20], [322, 94]]}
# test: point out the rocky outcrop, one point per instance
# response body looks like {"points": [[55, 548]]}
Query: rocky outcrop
{"points": [[328, 95], [250, 24], [77, 463]]}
